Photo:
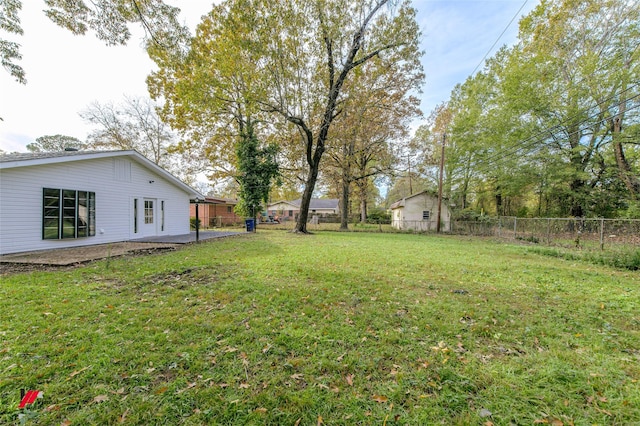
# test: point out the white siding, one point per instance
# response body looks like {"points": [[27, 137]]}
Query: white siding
{"points": [[410, 216], [21, 201]]}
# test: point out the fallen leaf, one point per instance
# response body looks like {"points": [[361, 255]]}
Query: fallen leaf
{"points": [[189, 386], [75, 373], [123, 417], [66, 422], [380, 398], [53, 407], [349, 379], [488, 423], [261, 410], [244, 385], [485, 413], [556, 422], [297, 423], [100, 398], [320, 421], [297, 376], [161, 390], [608, 413], [540, 421]]}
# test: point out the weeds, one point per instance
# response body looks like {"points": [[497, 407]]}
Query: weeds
{"points": [[332, 328]]}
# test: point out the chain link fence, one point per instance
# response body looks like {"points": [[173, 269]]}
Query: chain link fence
{"points": [[565, 232]]}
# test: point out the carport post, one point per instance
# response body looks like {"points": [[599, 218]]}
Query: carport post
{"points": [[197, 222]]}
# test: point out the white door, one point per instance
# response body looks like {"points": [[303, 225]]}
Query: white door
{"points": [[150, 219]]}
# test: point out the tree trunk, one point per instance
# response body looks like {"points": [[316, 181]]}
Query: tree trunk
{"points": [[577, 188], [344, 208], [362, 186], [305, 202], [630, 179]]}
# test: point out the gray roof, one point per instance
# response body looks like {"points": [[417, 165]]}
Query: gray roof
{"points": [[316, 203], [24, 156]]}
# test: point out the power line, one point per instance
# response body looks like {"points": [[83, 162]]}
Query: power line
{"points": [[499, 37], [539, 136]]}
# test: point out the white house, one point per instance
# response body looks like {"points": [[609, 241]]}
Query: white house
{"points": [[77, 198], [289, 210], [419, 212]]}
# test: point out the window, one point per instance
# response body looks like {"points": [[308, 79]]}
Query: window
{"points": [[68, 214], [135, 215], [426, 214], [229, 209], [162, 215], [290, 213], [148, 212]]}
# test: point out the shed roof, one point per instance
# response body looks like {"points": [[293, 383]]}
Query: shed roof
{"points": [[401, 203]]}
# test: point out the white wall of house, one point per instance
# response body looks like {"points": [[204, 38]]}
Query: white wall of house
{"points": [[116, 182]]}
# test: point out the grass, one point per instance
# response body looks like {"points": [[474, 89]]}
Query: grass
{"points": [[333, 328]]}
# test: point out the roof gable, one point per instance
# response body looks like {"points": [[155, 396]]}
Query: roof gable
{"points": [[402, 202], [15, 160]]}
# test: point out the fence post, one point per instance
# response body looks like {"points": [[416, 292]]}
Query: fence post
{"points": [[499, 226], [515, 227], [602, 234], [548, 230]]}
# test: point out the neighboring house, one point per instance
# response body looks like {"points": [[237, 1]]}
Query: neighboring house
{"points": [[419, 212], [76, 198], [216, 212], [289, 210]]}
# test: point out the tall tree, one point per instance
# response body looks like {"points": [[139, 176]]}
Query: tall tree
{"points": [[210, 88], [53, 143], [378, 108], [580, 57], [134, 124], [313, 48], [251, 57]]}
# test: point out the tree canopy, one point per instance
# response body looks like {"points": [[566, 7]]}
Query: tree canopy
{"points": [[109, 20], [283, 63], [549, 126]]}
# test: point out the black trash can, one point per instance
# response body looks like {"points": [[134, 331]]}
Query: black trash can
{"points": [[250, 225]]}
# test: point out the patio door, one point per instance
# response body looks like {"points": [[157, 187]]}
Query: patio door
{"points": [[150, 219]]}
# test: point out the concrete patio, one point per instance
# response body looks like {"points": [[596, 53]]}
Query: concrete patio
{"points": [[78, 255]]}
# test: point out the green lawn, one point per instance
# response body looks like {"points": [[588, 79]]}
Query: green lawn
{"points": [[334, 328]]}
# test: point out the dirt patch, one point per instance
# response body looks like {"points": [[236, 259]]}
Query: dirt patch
{"points": [[72, 257]]}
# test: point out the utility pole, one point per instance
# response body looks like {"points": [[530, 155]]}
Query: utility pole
{"points": [[410, 186], [444, 136]]}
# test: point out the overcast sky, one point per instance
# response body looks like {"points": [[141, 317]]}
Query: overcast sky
{"points": [[66, 73]]}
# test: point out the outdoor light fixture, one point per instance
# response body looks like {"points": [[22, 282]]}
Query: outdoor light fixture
{"points": [[151, 181]]}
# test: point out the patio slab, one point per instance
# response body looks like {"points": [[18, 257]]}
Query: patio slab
{"points": [[77, 255]]}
